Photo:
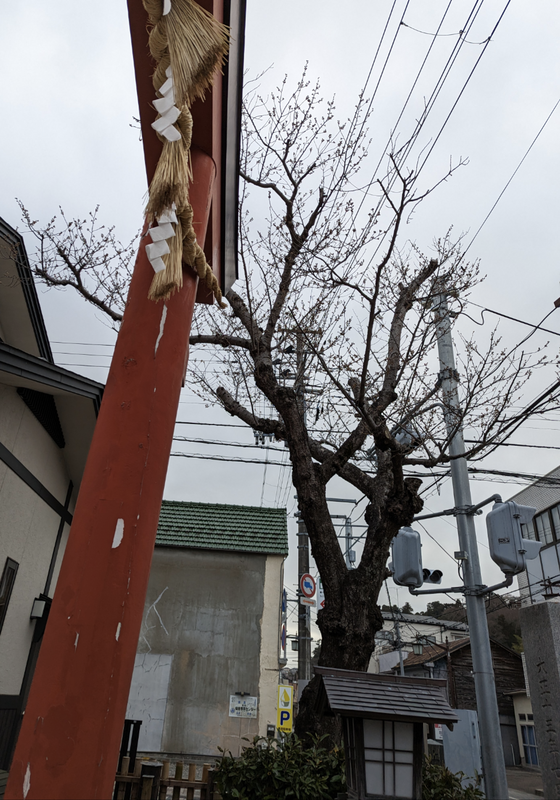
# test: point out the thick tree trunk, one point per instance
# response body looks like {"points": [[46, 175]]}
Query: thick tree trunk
{"points": [[351, 616]]}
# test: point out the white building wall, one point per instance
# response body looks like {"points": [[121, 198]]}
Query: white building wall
{"points": [[28, 527], [270, 642]]}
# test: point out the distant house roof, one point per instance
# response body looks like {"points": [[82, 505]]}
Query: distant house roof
{"points": [[437, 652], [363, 694], [434, 652], [215, 526], [448, 624]]}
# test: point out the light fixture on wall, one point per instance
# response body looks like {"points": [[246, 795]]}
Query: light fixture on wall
{"points": [[40, 607]]}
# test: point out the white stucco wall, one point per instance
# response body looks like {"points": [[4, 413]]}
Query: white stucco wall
{"points": [[28, 528], [270, 642], [148, 698]]}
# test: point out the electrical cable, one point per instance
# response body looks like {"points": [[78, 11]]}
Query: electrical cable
{"points": [[404, 152], [219, 443], [516, 444], [462, 90], [422, 165], [545, 123], [513, 319], [436, 541]]}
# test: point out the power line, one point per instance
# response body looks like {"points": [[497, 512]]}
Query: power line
{"points": [[513, 319], [543, 126], [436, 541], [466, 83], [227, 444], [516, 444], [203, 457], [214, 424], [85, 344], [431, 102]]}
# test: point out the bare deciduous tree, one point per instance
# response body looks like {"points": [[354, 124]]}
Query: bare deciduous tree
{"points": [[329, 303]]}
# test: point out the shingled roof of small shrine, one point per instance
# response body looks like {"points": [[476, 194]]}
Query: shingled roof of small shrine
{"points": [[371, 696], [217, 526]]}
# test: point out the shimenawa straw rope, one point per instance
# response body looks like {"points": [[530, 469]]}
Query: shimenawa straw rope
{"points": [[188, 45]]}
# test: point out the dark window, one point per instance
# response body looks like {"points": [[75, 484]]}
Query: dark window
{"points": [[544, 527], [529, 745], [528, 531], [555, 514], [6, 586], [522, 716], [529, 716]]}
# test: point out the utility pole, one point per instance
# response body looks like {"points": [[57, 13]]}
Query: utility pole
{"points": [[304, 616], [399, 647], [304, 611], [485, 687], [349, 541]]}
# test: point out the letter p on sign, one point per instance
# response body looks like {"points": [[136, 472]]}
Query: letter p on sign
{"points": [[285, 714]]}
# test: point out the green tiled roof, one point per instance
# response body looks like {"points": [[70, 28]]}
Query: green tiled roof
{"points": [[213, 526]]}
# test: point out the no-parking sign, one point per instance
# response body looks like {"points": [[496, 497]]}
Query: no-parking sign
{"points": [[307, 585]]}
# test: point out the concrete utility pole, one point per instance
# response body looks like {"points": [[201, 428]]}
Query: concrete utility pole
{"points": [[304, 616], [487, 706], [304, 611], [349, 541], [399, 647]]}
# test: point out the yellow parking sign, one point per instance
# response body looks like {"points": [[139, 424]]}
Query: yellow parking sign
{"points": [[285, 717]]}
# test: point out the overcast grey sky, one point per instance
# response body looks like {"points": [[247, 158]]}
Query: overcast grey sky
{"points": [[68, 139]]}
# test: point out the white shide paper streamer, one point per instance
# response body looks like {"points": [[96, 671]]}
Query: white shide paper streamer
{"points": [[160, 233], [169, 112]]}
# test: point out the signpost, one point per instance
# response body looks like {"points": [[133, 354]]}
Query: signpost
{"points": [[285, 715]]}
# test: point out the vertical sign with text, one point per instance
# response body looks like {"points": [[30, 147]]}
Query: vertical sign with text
{"points": [[285, 716]]}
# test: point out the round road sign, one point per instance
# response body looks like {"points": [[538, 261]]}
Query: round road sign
{"points": [[307, 585]]}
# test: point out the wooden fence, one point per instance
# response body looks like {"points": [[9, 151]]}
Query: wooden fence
{"points": [[151, 780]]}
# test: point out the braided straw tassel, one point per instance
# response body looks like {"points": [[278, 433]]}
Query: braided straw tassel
{"points": [[188, 45]]}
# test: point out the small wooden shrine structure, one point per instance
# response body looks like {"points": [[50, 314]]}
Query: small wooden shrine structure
{"points": [[383, 717]]}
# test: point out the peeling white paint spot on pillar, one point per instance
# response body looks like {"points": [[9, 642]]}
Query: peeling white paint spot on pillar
{"points": [[119, 533], [118, 633], [161, 327], [76, 642], [27, 781]]}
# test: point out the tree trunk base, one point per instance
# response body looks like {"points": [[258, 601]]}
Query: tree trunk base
{"points": [[310, 723]]}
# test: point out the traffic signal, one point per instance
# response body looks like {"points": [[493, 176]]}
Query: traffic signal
{"points": [[508, 548], [406, 566], [432, 575]]}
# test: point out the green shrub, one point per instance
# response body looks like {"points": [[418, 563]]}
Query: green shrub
{"points": [[271, 770], [439, 783]]}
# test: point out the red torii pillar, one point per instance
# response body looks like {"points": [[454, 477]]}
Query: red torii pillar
{"points": [[70, 736]]}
